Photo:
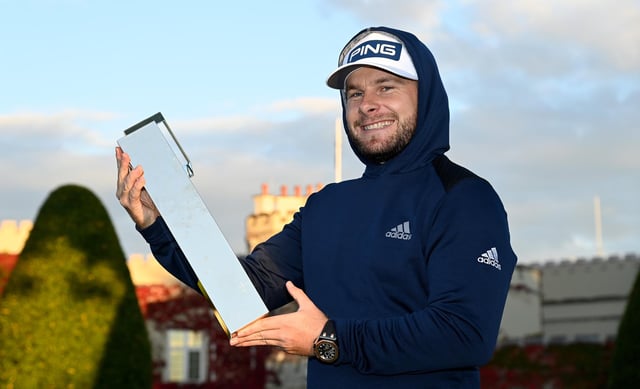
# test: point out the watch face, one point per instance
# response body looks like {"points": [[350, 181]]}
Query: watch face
{"points": [[326, 351]]}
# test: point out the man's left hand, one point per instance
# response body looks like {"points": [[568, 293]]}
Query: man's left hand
{"points": [[294, 332]]}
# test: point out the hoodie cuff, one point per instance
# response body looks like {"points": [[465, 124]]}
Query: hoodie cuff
{"points": [[156, 233]]}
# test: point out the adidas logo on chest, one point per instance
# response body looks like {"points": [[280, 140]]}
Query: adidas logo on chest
{"points": [[401, 231]]}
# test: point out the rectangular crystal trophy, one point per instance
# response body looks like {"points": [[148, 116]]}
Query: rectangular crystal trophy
{"points": [[168, 172]]}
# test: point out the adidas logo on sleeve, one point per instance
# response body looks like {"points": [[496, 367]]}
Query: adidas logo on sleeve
{"points": [[490, 258], [401, 231]]}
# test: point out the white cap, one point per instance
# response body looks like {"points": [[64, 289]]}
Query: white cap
{"points": [[377, 49]]}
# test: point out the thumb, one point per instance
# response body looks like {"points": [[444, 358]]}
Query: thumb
{"points": [[298, 294]]}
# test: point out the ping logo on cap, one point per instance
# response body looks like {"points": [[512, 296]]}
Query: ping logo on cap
{"points": [[375, 48]]}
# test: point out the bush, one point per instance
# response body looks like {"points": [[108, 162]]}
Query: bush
{"points": [[69, 316], [625, 367]]}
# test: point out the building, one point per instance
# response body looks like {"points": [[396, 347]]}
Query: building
{"points": [[568, 301], [13, 235], [272, 212], [521, 320], [584, 300]]}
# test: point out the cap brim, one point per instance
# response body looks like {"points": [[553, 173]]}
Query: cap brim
{"points": [[337, 79]]}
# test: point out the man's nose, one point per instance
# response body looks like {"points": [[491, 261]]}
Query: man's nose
{"points": [[369, 103]]}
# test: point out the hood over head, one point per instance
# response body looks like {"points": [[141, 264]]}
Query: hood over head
{"points": [[413, 61]]}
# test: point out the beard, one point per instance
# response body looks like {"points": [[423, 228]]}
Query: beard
{"points": [[378, 151]]}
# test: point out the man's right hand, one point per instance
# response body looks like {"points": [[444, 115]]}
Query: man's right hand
{"points": [[131, 193]]}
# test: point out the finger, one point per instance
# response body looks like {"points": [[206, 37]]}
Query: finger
{"points": [[251, 343], [257, 338], [265, 338], [264, 325], [128, 184], [135, 191], [118, 156], [139, 183], [123, 161], [250, 330]]}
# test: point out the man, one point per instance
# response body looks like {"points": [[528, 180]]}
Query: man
{"points": [[401, 275]]}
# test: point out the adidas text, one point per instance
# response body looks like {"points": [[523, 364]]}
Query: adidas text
{"points": [[398, 235], [490, 262]]}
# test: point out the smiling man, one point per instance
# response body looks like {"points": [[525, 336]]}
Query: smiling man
{"points": [[400, 275], [381, 113]]}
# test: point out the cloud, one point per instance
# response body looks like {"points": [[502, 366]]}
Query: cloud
{"points": [[26, 134], [610, 33], [306, 105], [231, 156], [398, 14], [544, 98]]}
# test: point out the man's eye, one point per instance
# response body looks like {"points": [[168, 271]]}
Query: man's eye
{"points": [[351, 95]]}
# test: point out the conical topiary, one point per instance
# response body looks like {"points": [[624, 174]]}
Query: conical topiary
{"points": [[625, 367], [69, 316]]}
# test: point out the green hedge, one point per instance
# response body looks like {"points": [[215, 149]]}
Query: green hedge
{"points": [[69, 316], [625, 367]]}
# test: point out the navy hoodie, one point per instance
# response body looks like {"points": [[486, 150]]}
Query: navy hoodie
{"points": [[412, 260]]}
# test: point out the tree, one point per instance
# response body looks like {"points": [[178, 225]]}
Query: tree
{"points": [[625, 368], [69, 316]]}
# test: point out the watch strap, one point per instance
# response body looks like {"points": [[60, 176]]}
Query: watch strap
{"points": [[329, 330], [325, 347]]}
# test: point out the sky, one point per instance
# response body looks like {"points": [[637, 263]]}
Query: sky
{"points": [[544, 98]]}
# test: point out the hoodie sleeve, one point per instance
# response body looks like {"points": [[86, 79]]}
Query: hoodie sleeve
{"points": [[274, 262], [459, 325], [267, 276], [167, 252]]}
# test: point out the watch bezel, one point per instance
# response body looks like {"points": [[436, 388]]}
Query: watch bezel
{"points": [[325, 346]]}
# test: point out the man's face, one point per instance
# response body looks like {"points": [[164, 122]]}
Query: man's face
{"points": [[381, 111]]}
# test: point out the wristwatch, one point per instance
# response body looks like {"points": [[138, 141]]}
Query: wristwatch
{"points": [[326, 346]]}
